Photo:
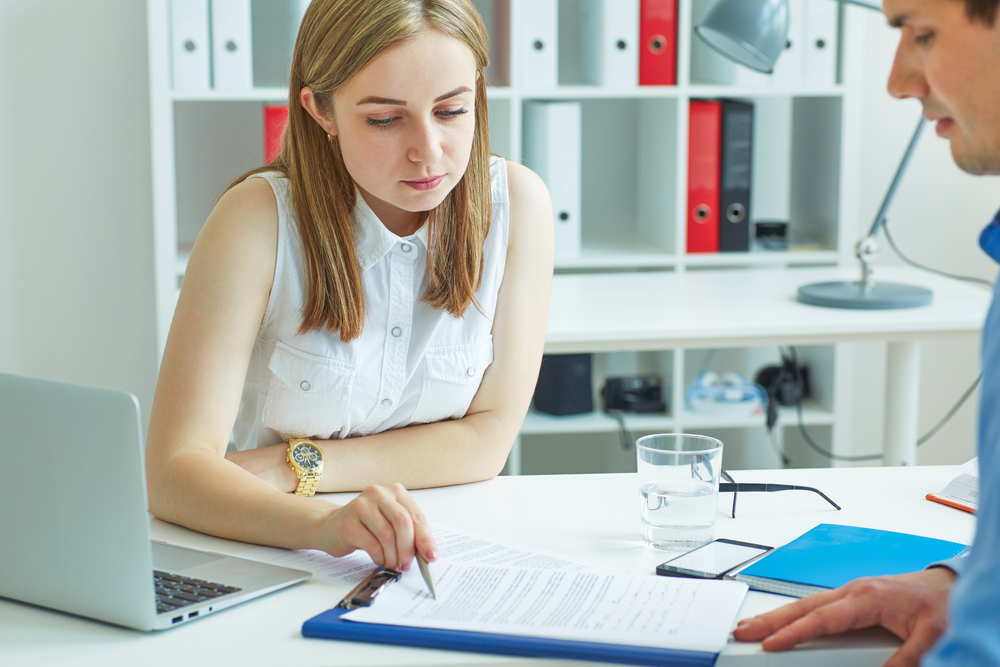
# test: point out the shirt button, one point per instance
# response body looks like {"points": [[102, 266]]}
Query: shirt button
{"points": [[397, 332], [305, 386], [407, 247], [471, 371], [386, 402]]}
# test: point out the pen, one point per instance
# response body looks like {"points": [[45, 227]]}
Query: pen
{"points": [[426, 572]]}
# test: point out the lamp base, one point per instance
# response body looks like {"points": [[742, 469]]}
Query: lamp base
{"points": [[880, 296]]}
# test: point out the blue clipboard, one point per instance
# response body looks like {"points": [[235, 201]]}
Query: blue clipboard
{"points": [[330, 625]]}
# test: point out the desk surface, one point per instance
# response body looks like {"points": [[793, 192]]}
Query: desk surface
{"points": [[738, 308], [589, 516]]}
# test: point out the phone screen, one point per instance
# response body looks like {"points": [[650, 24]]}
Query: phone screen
{"points": [[712, 560]]}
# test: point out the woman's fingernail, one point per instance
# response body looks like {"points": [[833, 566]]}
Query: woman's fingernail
{"points": [[405, 567], [431, 555]]}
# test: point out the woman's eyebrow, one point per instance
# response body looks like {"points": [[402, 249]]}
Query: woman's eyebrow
{"points": [[402, 103]]}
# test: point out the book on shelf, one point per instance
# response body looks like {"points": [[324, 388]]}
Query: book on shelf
{"points": [[610, 35], [552, 136], [831, 555], [189, 45], [232, 64], [963, 491], [657, 42], [704, 135], [736, 165], [275, 118], [538, 44]]}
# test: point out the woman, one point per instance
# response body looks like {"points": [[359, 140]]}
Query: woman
{"points": [[380, 289]]}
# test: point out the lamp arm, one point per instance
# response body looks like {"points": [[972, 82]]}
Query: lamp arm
{"points": [[880, 217]]}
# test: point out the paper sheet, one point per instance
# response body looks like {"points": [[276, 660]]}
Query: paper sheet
{"points": [[584, 605], [454, 545], [965, 487]]}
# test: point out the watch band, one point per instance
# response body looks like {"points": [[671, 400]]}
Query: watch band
{"points": [[307, 485]]}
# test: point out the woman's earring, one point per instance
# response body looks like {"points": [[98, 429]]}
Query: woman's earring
{"points": [[329, 139]]}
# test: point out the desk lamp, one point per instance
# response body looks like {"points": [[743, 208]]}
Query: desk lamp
{"points": [[754, 33]]}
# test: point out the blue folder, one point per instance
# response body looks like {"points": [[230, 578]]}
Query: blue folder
{"points": [[830, 555], [330, 625]]}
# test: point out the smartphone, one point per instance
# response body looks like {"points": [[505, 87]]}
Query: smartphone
{"points": [[713, 560]]}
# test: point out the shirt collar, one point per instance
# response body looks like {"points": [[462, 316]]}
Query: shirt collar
{"points": [[371, 238], [989, 239]]}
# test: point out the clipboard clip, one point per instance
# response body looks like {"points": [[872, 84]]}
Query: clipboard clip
{"points": [[364, 593]]}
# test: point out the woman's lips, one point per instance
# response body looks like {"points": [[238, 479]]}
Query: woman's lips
{"points": [[425, 183]]}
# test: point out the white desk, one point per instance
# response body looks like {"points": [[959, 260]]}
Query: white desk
{"points": [[743, 308], [589, 516]]}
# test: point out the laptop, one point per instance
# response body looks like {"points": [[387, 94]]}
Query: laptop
{"points": [[74, 529]]}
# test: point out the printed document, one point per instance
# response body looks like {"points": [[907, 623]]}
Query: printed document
{"points": [[454, 545], [593, 605]]}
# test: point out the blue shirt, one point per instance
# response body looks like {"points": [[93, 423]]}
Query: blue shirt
{"points": [[973, 635]]}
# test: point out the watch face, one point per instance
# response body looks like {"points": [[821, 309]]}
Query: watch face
{"points": [[307, 456]]}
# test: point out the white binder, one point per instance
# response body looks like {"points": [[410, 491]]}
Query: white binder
{"points": [[788, 71], [189, 45], [552, 150], [821, 44], [538, 43], [610, 30], [232, 59]]}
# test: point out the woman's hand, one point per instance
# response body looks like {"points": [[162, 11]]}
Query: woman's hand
{"points": [[384, 521]]}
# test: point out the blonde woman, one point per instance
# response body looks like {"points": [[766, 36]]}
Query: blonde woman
{"points": [[365, 313]]}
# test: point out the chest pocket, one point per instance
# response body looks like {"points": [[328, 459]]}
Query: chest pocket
{"points": [[308, 395], [452, 376]]}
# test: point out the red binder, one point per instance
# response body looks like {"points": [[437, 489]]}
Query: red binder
{"points": [[657, 42], [704, 144], [275, 117]]}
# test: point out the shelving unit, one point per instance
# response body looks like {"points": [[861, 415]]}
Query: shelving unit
{"points": [[634, 145]]}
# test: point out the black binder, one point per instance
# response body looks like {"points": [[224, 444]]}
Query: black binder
{"points": [[736, 167]]}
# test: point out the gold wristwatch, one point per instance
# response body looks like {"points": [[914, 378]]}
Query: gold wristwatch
{"points": [[306, 460]]}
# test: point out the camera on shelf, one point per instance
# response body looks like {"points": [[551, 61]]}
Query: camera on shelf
{"points": [[786, 384], [634, 394]]}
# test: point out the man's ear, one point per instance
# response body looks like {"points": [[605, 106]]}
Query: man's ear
{"points": [[308, 101]]}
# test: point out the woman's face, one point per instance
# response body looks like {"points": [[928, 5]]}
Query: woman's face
{"points": [[405, 125]]}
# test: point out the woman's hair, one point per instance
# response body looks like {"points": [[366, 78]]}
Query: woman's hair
{"points": [[336, 40]]}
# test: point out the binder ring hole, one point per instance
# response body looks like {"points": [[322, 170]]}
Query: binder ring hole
{"points": [[230, 46], [539, 45], [564, 216], [702, 212], [736, 213], [820, 44], [189, 46], [657, 43], [621, 44]]}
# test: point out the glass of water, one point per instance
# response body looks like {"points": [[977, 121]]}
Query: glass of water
{"points": [[678, 489]]}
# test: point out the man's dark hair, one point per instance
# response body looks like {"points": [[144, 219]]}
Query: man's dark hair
{"points": [[982, 10]]}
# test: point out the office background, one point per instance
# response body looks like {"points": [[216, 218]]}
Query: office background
{"points": [[76, 245]]}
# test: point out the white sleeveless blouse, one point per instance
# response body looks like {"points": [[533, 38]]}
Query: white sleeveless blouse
{"points": [[411, 364]]}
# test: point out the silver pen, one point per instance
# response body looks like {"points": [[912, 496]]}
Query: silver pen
{"points": [[426, 572]]}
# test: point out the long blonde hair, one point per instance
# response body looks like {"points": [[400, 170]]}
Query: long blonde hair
{"points": [[336, 40]]}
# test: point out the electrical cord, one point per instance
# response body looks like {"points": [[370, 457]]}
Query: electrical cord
{"points": [[624, 437], [895, 249]]}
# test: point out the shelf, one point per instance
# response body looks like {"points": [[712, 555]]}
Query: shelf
{"points": [[249, 95], [536, 423], [763, 258], [599, 92], [712, 90]]}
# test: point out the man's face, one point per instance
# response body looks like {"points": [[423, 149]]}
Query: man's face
{"points": [[951, 63]]}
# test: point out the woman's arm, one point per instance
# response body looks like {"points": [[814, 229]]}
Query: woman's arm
{"points": [[222, 303], [475, 447]]}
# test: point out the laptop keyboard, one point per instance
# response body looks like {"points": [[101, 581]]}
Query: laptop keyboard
{"points": [[174, 591]]}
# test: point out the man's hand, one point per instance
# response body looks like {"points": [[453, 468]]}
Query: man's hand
{"points": [[912, 606]]}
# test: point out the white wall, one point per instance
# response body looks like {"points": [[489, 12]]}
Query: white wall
{"points": [[76, 277], [935, 219]]}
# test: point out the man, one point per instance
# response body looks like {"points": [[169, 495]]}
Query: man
{"points": [[949, 59]]}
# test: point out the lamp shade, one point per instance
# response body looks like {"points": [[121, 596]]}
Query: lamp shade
{"points": [[751, 32]]}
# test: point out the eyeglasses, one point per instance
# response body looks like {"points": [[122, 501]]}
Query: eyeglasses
{"points": [[734, 487]]}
